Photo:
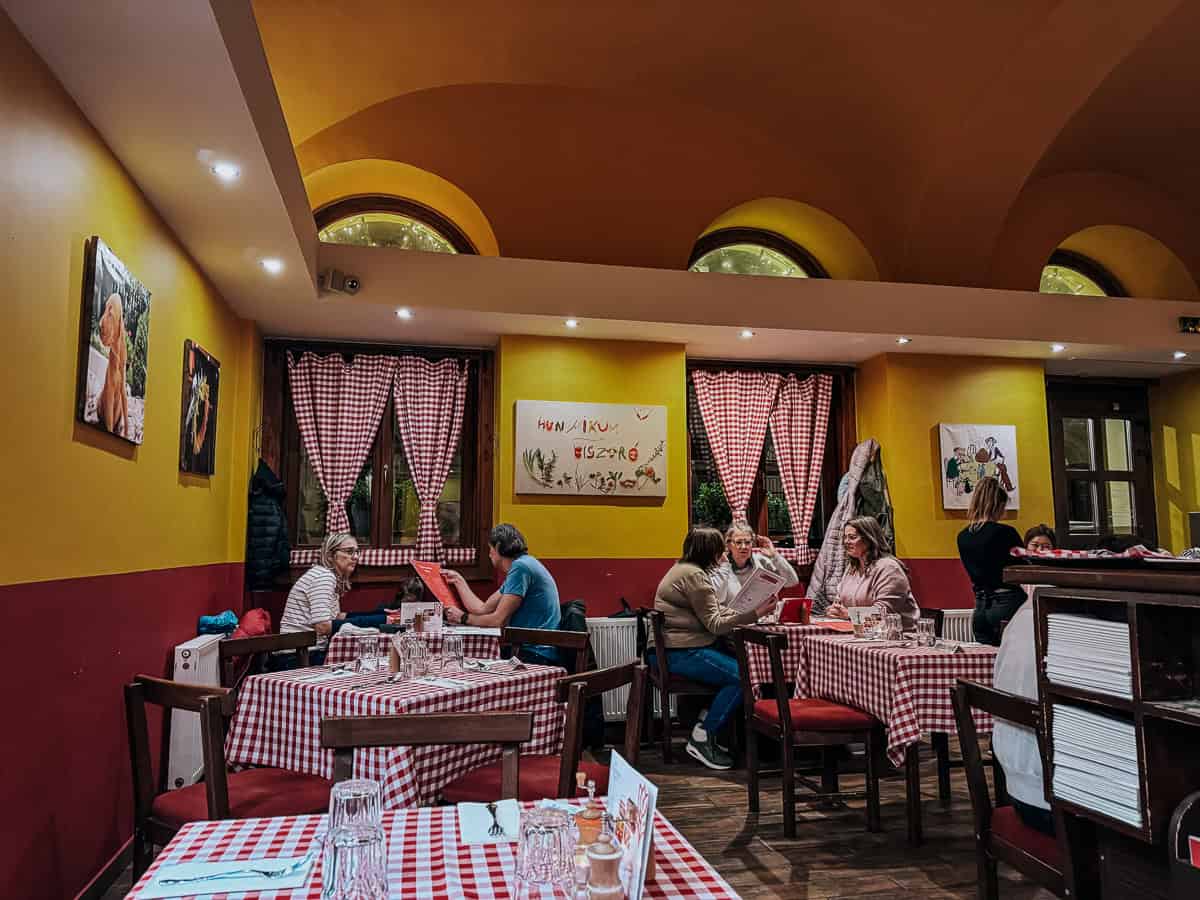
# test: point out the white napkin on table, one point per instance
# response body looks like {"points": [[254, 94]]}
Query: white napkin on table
{"points": [[442, 682], [331, 675], [474, 821], [249, 883]]}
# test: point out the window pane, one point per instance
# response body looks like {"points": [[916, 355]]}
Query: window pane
{"points": [[1081, 507], [406, 508], [709, 506], [1063, 280], [748, 259], [310, 527], [779, 521], [381, 229], [1078, 446], [1122, 515], [1118, 449]]}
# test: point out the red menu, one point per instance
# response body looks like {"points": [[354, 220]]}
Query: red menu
{"points": [[431, 574]]}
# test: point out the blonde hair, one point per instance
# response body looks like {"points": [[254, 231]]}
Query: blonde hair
{"points": [[871, 532], [987, 503], [329, 546]]}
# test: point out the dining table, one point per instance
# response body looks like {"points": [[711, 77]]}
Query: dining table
{"points": [[278, 716], [424, 858], [760, 660]]}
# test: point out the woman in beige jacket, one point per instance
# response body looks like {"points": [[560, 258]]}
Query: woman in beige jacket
{"points": [[693, 619], [873, 576]]}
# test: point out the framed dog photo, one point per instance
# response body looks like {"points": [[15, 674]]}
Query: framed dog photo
{"points": [[198, 415], [114, 345]]}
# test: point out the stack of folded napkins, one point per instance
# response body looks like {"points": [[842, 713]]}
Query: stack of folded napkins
{"points": [[1096, 763], [1089, 653]]}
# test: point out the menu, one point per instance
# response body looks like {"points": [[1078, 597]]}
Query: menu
{"points": [[631, 803], [761, 586], [431, 574]]}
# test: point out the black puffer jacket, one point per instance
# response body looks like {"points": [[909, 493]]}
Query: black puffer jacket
{"points": [[267, 549]]}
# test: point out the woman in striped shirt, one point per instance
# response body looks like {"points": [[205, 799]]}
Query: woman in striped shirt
{"points": [[313, 603]]}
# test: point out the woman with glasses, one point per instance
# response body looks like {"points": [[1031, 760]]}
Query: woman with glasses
{"points": [[314, 601], [741, 544]]}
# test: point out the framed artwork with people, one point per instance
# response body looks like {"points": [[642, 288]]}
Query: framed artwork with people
{"points": [[970, 453], [198, 413]]}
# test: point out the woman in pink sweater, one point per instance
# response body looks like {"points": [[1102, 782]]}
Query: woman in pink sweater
{"points": [[873, 576]]}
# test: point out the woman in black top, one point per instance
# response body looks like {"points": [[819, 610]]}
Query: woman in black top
{"points": [[984, 547]]}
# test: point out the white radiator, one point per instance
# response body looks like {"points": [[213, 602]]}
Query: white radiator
{"points": [[956, 626], [196, 662], [614, 643]]}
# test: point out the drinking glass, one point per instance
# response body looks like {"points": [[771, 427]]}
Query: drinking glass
{"points": [[366, 653], [354, 802], [353, 866], [418, 656], [545, 854], [925, 635], [892, 627], [452, 651]]}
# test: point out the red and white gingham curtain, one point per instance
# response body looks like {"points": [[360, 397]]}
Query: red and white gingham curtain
{"points": [[430, 399], [735, 407], [799, 425], [338, 409]]}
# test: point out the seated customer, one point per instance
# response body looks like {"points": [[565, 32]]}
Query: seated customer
{"points": [[693, 619], [742, 560], [528, 598], [1040, 538], [873, 576], [1016, 746], [314, 602]]}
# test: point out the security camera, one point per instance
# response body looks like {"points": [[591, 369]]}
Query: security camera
{"points": [[338, 282]]}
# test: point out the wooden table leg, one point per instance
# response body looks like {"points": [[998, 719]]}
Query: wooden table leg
{"points": [[941, 747], [912, 786]]}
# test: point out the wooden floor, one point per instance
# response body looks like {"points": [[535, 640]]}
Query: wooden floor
{"points": [[832, 856]]}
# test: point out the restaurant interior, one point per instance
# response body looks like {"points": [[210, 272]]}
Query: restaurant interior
{"points": [[450, 304]]}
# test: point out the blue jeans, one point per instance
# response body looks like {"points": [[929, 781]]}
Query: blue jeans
{"points": [[708, 665]]}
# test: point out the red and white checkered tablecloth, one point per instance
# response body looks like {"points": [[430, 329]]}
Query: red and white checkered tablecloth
{"points": [[343, 648], [424, 858], [760, 660], [278, 724], [906, 688]]}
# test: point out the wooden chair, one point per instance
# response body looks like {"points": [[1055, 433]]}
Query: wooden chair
{"points": [[344, 734], [1000, 835], [661, 678], [241, 656], [574, 642], [805, 722], [553, 777], [252, 793]]}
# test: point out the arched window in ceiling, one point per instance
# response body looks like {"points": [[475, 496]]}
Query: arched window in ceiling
{"points": [[390, 222], [753, 251], [1074, 273]]}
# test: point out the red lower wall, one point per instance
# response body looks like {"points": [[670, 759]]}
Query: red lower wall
{"points": [[70, 647], [940, 583]]}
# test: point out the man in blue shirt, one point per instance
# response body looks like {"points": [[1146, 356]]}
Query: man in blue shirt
{"points": [[528, 598]]}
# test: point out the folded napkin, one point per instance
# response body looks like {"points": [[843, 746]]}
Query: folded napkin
{"points": [[474, 821], [443, 682], [488, 665], [330, 675], [357, 630], [247, 883]]}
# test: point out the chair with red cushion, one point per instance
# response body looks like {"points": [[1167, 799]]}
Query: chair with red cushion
{"points": [[804, 722], [252, 793], [553, 777], [243, 656], [344, 734], [1000, 835]]}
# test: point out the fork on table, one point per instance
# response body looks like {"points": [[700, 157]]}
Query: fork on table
{"points": [[496, 830]]}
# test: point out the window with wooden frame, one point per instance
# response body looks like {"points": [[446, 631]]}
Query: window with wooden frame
{"points": [[768, 511], [383, 507], [378, 220], [753, 251]]}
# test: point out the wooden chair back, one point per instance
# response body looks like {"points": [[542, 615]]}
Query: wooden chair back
{"points": [[344, 734], [775, 643], [662, 671], [939, 619], [575, 642], [575, 691], [253, 649], [214, 705]]}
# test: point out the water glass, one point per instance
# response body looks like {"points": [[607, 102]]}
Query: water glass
{"points": [[354, 802], [366, 652], [452, 652], [353, 866], [892, 629], [545, 854], [925, 635]]}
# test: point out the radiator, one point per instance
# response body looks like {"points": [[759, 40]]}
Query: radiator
{"points": [[196, 662], [957, 625], [614, 643]]}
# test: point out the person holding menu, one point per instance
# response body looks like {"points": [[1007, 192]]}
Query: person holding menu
{"points": [[528, 598]]}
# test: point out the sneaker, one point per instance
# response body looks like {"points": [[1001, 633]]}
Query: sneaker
{"points": [[710, 754]]}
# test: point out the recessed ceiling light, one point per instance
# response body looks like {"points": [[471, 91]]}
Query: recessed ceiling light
{"points": [[1179, 354], [903, 340], [272, 265], [572, 323], [404, 313], [1057, 348], [747, 333], [226, 171]]}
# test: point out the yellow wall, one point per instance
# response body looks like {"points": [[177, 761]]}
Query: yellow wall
{"points": [[902, 398], [1175, 420], [536, 368], [78, 501]]}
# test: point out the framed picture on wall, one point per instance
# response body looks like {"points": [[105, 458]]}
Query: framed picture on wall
{"points": [[970, 453], [114, 345], [198, 414]]}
